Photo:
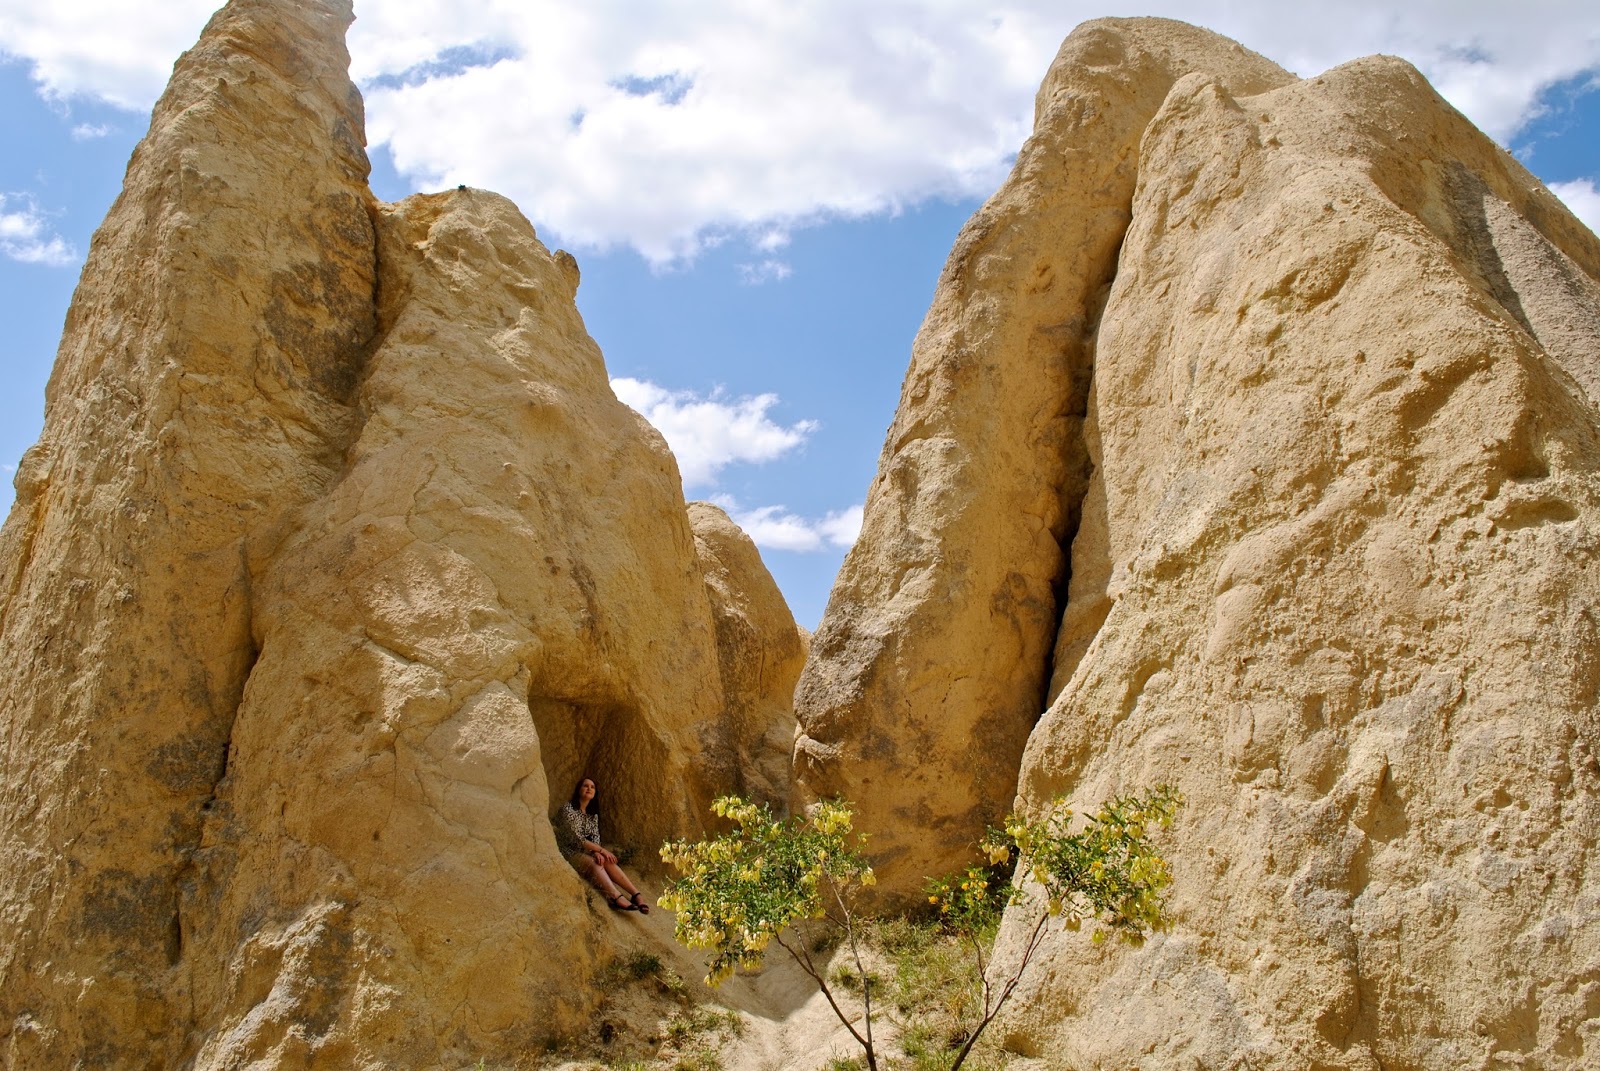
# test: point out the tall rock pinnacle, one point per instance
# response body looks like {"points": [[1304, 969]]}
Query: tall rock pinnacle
{"points": [[1346, 428], [203, 389], [471, 619], [929, 668]]}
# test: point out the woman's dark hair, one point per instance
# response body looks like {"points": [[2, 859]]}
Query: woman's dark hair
{"points": [[577, 801]]}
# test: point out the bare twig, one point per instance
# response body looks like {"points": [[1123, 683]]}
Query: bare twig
{"points": [[1035, 939], [804, 960], [866, 982]]}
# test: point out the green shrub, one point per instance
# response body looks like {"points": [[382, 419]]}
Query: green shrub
{"points": [[1108, 871], [741, 891], [738, 892]]}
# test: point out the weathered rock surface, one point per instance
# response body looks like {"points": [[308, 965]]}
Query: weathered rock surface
{"points": [[759, 654], [204, 389], [499, 596], [336, 567], [1332, 573], [929, 667], [1252, 439], [1345, 431]]}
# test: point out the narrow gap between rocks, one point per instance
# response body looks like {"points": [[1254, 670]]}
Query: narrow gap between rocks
{"points": [[1079, 483]]}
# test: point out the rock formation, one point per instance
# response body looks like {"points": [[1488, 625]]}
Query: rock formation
{"points": [[1338, 362], [759, 654], [337, 564], [1251, 445], [204, 389], [929, 667], [471, 619]]}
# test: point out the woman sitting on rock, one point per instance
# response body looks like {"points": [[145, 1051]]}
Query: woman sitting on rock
{"points": [[578, 830]]}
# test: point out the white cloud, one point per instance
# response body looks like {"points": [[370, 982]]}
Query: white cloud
{"points": [[669, 127], [1583, 198], [26, 236], [772, 241], [765, 271], [709, 432], [842, 528], [775, 528], [112, 50], [90, 131], [662, 125]]}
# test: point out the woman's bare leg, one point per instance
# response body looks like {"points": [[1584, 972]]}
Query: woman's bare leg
{"points": [[598, 878], [620, 878]]}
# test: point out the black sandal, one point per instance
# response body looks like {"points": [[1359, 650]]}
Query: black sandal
{"points": [[612, 902], [639, 905]]}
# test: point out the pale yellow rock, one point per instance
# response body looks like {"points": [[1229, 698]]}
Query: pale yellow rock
{"points": [[499, 596], [337, 566], [1340, 545], [203, 390], [759, 653], [930, 665]]}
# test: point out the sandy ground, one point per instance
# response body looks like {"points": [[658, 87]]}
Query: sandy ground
{"points": [[788, 1025]]}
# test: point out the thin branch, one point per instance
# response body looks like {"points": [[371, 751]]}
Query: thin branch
{"points": [[983, 970], [839, 921], [866, 982], [822, 984], [805, 950], [1035, 939]]}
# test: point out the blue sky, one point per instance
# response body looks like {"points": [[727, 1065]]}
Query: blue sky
{"points": [[761, 198]]}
